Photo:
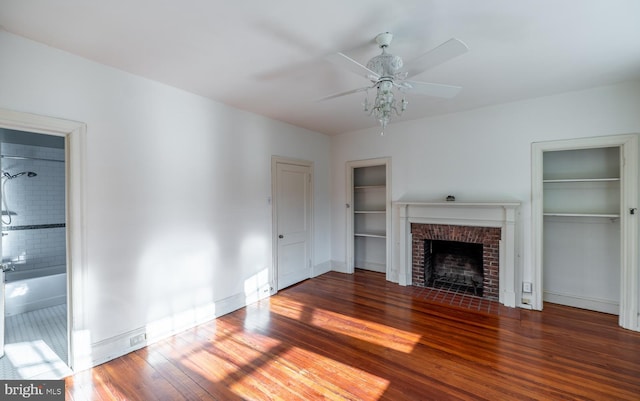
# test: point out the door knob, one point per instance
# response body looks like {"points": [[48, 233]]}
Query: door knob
{"points": [[280, 236]]}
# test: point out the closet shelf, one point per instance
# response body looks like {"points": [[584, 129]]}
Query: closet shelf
{"points": [[370, 235], [603, 215], [370, 211], [370, 187], [566, 180]]}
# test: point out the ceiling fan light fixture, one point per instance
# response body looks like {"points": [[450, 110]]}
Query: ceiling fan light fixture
{"points": [[384, 73], [385, 104], [388, 67]]}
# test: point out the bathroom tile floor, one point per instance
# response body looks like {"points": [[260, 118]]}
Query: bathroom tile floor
{"points": [[36, 345]]}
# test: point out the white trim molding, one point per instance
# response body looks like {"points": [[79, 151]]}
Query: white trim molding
{"points": [[479, 214]]}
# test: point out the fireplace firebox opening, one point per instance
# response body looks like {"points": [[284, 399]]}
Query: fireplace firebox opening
{"points": [[487, 237], [454, 266]]}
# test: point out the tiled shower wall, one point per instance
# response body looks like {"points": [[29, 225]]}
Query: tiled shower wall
{"points": [[35, 238]]}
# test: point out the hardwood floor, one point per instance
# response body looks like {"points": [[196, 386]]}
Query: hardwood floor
{"points": [[358, 337]]}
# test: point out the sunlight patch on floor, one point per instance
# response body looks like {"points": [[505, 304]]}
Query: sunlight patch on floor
{"points": [[293, 310], [227, 358], [35, 359], [317, 378], [364, 330], [84, 385]]}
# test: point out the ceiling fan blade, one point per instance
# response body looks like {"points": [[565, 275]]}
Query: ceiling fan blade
{"points": [[445, 52], [342, 94], [344, 61], [430, 89]]}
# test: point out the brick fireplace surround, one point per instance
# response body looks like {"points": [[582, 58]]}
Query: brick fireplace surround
{"points": [[489, 237], [490, 223]]}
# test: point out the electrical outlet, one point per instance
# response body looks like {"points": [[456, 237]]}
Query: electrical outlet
{"points": [[135, 340], [526, 286]]}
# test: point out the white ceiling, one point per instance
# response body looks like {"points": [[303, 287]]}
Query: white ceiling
{"points": [[269, 57]]}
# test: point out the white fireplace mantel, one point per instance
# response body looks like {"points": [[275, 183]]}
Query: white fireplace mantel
{"points": [[479, 214]]}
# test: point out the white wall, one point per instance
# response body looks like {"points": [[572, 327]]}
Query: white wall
{"points": [[480, 155], [177, 188]]}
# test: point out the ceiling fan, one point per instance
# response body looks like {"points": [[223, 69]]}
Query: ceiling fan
{"points": [[385, 71]]}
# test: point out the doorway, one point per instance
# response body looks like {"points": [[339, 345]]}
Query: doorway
{"points": [[369, 215], [73, 134], [34, 286], [584, 220], [292, 221]]}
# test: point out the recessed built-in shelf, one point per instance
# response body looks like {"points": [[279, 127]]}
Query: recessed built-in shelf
{"points": [[370, 215], [370, 235]]}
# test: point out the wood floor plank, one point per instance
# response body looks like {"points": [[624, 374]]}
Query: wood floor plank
{"points": [[359, 337]]}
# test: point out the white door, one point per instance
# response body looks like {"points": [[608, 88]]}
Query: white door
{"points": [[293, 223]]}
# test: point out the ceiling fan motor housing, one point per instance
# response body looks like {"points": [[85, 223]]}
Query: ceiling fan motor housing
{"points": [[384, 39]]}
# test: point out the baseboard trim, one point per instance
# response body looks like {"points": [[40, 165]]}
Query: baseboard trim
{"points": [[114, 347], [576, 301], [374, 266]]}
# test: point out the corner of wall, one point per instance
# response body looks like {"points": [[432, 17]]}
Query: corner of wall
{"points": [[322, 268], [338, 266]]}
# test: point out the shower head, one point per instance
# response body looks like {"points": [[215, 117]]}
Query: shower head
{"points": [[9, 176]]}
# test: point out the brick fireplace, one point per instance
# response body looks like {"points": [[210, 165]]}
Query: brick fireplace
{"points": [[484, 284], [492, 224]]}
